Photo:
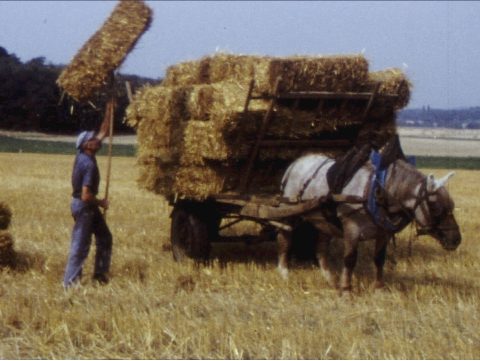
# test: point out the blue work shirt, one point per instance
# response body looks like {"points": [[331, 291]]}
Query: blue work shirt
{"points": [[85, 173]]}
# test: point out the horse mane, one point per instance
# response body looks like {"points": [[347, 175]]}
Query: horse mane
{"points": [[410, 176]]}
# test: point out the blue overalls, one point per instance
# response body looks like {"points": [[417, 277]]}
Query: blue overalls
{"points": [[88, 221]]}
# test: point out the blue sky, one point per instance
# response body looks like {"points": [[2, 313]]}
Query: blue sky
{"points": [[436, 43]]}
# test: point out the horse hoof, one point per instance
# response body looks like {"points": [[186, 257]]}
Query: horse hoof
{"points": [[379, 285], [330, 278], [346, 293]]}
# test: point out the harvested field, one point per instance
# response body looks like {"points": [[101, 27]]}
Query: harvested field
{"points": [[440, 142], [237, 308]]}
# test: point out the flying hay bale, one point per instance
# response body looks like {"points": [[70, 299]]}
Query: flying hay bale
{"points": [[105, 51], [5, 216], [332, 73]]}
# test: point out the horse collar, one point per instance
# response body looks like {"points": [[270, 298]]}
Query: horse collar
{"points": [[377, 184]]}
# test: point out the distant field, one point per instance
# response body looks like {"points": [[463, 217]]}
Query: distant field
{"points": [[33, 145], [428, 142], [434, 148], [237, 308]]}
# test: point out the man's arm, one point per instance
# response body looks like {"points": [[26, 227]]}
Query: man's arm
{"points": [[89, 197], [105, 126]]}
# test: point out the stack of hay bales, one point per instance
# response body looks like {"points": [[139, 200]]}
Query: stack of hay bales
{"points": [[6, 239], [91, 68], [194, 137]]}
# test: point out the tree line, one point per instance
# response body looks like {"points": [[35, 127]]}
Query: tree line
{"points": [[30, 99]]}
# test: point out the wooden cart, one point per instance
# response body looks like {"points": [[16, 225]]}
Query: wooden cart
{"points": [[195, 224]]}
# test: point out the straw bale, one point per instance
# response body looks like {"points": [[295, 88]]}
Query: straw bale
{"points": [[205, 99], [377, 131], [333, 73], [392, 81], [223, 103], [287, 123], [159, 116], [169, 178], [187, 73], [195, 139], [204, 140], [5, 215], [156, 175], [240, 68], [105, 51], [320, 73], [199, 182]]}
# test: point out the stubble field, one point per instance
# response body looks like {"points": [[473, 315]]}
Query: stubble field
{"points": [[237, 308]]}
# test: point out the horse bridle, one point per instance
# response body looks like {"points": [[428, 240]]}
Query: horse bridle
{"points": [[422, 201]]}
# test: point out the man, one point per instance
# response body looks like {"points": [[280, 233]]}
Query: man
{"points": [[85, 208]]}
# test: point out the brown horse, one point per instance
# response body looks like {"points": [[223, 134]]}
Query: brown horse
{"points": [[407, 195]]}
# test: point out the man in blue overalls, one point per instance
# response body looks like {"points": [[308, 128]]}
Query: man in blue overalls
{"points": [[85, 208]]}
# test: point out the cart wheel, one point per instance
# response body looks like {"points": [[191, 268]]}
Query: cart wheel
{"points": [[213, 221], [189, 236]]}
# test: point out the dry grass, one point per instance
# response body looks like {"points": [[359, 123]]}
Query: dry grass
{"points": [[237, 308]]}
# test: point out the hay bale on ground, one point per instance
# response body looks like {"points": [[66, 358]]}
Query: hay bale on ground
{"points": [[5, 216], [7, 253], [91, 67]]}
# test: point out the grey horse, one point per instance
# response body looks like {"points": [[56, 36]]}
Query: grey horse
{"points": [[407, 195]]}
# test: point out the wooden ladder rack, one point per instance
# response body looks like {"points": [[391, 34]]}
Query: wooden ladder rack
{"points": [[297, 96]]}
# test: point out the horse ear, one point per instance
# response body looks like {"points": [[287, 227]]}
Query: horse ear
{"points": [[442, 181], [431, 183]]}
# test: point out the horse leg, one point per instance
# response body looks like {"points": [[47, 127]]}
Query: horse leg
{"points": [[349, 262], [284, 242], [379, 259], [322, 247]]}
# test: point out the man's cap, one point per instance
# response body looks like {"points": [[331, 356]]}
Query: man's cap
{"points": [[84, 137]]}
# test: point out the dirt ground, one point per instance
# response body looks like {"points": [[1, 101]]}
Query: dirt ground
{"points": [[441, 142]]}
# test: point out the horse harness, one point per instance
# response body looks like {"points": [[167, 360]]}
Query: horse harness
{"points": [[375, 202]]}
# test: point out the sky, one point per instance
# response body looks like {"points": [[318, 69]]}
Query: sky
{"points": [[436, 43]]}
